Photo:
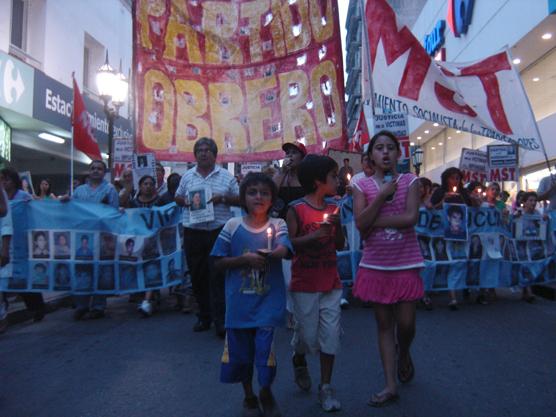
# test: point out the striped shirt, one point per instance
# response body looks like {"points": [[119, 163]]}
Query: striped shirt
{"points": [[104, 193], [220, 181], [390, 248]]}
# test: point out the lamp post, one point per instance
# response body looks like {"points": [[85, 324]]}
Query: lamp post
{"points": [[112, 88], [417, 159]]}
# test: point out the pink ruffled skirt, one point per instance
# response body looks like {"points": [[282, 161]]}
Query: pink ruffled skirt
{"points": [[388, 287]]}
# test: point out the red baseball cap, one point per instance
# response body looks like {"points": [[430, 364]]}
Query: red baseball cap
{"points": [[297, 145]]}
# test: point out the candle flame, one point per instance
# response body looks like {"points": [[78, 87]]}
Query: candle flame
{"points": [[349, 177], [455, 189], [480, 189], [269, 231], [325, 217]]}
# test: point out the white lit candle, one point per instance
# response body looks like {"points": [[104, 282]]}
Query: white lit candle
{"points": [[349, 177], [484, 194], [325, 218], [455, 189], [269, 238], [480, 190]]}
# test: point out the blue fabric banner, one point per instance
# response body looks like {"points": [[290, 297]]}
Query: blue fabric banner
{"points": [[468, 247], [87, 248]]}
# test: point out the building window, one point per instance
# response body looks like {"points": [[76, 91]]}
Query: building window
{"points": [[19, 24], [93, 58]]}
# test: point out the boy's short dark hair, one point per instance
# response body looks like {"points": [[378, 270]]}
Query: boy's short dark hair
{"points": [[313, 168], [254, 178], [454, 210], [529, 194]]}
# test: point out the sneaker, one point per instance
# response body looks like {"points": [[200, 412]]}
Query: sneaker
{"points": [[344, 304], [301, 373], [146, 308], [251, 407], [327, 398]]}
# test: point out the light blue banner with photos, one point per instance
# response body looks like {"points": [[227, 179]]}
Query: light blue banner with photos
{"points": [[482, 248], [470, 247], [88, 248]]}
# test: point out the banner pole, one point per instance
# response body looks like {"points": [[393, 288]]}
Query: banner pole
{"points": [[367, 54]]}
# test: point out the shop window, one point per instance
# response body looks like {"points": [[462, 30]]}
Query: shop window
{"points": [[18, 34], [93, 58]]}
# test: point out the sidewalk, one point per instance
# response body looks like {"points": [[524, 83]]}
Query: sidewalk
{"points": [[17, 313]]}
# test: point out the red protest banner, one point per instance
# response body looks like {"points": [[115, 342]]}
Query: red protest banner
{"points": [[250, 74]]}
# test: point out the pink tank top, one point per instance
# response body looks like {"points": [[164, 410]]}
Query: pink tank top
{"points": [[389, 248]]}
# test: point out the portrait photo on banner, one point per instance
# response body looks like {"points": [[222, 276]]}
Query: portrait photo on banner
{"points": [[424, 245], [84, 277], [62, 245], [62, 276], [39, 275], [107, 246], [530, 227], [106, 277], [152, 274], [168, 240], [491, 244], [128, 277], [475, 247], [39, 244], [173, 268], [455, 226], [439, 249], [130, 247], [85, 244]]}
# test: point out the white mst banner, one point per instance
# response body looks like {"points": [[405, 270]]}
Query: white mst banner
{"points": [[485, 97]]}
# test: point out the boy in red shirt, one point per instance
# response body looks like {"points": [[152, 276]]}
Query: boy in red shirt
{"points": [[316, 289]]}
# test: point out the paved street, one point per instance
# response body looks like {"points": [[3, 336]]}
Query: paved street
{"points": [[491, 361]]}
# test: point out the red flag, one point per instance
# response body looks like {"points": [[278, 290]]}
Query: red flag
{"points": [[83, 138], [361, 134]]}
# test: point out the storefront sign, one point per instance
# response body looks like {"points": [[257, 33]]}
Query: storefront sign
{"points": [[16, 85], [5, 141], [435, 39], [459, 16], [53, 102]]}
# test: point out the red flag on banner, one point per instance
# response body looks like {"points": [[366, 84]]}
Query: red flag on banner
{"points": [[83, 138]]}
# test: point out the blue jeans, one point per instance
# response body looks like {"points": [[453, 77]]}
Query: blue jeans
{"points": [[94, 302]]}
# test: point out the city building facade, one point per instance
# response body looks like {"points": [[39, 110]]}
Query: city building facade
{"points": [[42, 43]]}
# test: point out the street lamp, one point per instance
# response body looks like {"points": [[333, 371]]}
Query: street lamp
{"points": [[112, 88], [417, 159]]}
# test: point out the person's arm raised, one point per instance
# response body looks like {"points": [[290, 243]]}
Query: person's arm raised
{"points": [[367, 214]]}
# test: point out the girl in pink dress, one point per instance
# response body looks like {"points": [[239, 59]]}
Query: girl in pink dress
{"points": [[386, 208]]}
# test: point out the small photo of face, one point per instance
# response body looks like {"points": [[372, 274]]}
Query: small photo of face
{"points": [[439, 247], [168, 240], [62, 277], [128, 277], [475, 247], [522, 250], [457, 250], [536, 249], [84, 277], [40, 276], [441, 276], [130, 247], [456, 227], [85, 245], [107, 246], [152, 274], [172, 271], [197, 200], [40, 245], [106, 278], [150, 248], [62, 245], [424, 245]]}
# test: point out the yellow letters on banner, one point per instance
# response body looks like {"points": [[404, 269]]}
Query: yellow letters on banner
{"points": [[154, 8], [173, 29], [327, 131], [216, 33], [253, 11], [294, 111], [322, 32], [303, 39], [277, 30], [226, 104], [258, 114], [188, 113], [159, 140]]}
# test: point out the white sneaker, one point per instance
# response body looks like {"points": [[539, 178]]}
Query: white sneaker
{"points": [[327, 398], [146, 308], [344, 303]]}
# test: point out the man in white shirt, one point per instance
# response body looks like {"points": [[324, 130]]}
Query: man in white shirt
{"points": [[199, 238]]}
